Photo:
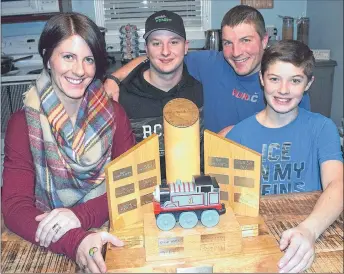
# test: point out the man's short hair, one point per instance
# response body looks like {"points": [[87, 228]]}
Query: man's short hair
{"points": [[289, 51], [245, 14]]}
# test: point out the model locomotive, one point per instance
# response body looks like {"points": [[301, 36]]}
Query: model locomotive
{"points": [[188, 202]]}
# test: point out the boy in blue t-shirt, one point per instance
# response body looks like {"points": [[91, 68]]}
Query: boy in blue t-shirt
{"points": [[300, 149]]}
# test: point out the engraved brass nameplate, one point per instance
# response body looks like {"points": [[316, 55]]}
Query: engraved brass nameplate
{"points": [[237, 197], [122, 173], [132, 244], [170, 241], [127, 206], [213, 238], [213, 247], [132, 241], [243, 164], [243, 182], [146, 199], [147, 183], [218, 162], [131, 238], [146, 166], [220, 178], [224, 196], [170, 251], [124, 190], [195, 269]]}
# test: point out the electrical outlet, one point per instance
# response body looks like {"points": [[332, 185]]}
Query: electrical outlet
{"points": [[270, 30]]}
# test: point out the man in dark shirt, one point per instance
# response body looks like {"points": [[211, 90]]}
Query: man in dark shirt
{"points": [[161, 78]]}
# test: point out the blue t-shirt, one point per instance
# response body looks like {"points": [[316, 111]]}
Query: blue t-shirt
{"points": [[291, 155], [228, 98]]}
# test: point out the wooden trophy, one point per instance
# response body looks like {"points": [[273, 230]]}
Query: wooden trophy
{"points": [[187, 197], [237, 241]]}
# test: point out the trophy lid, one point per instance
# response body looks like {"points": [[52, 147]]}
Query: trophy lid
{"points": [[181, 113]]}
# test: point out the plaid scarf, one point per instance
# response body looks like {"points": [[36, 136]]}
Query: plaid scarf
{"points": [[69, 161]]}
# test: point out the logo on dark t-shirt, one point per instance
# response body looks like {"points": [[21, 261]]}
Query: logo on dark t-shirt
{"points": [[145, 127]]}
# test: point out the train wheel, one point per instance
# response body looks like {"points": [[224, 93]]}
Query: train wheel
{"points": [[166, 221], [210, 218], [188, 219]]}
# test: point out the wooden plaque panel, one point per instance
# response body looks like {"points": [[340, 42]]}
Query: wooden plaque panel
{"points": [[130, 181], [237, 169]]}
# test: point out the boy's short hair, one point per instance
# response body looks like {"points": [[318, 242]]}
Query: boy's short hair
{"points": [[245, 14], [290, 51]]}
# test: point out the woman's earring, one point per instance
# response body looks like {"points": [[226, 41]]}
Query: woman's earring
{"points": [[48, 65]]}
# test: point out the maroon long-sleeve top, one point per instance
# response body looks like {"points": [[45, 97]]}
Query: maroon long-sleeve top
{"points": [[18, 196]]}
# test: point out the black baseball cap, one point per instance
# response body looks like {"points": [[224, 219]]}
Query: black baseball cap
{"points": [[165, 20]]}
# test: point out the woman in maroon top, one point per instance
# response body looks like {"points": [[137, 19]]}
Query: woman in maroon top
{"points": [[57, 147]]}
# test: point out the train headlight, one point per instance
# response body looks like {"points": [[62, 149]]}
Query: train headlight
{"points": [[156, 193]]}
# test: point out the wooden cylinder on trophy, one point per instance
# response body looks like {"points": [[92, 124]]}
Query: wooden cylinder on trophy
{"points": [[182, 140]]}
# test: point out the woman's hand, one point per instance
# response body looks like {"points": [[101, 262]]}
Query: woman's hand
{"points": [[54, 225], [112, 89], [300, 253], [89, 256]]}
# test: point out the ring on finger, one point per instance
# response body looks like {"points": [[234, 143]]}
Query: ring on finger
{"points": [[92, 251], [83, 268], [56, 227]]}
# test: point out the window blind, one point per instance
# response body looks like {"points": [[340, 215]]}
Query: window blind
{"points": [[122, 12]]}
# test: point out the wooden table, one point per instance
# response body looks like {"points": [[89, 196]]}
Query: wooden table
{"points": [[280, 212]]}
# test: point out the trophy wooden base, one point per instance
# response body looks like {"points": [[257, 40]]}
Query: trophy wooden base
{"points": [[259, 253], [224, 238], [249, 225]]}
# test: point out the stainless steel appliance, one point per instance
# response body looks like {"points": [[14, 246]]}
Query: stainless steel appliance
{"points": [[15, 82], [213, 39]]}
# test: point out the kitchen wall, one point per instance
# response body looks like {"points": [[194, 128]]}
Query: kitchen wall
{"points": [[219, 8], [293, 8], [326, 32], [83, 6]]}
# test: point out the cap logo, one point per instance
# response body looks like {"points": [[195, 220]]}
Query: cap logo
{"points": [[162, 18]]}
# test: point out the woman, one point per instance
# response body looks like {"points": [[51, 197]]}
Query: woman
{"points": [[57, 147]]}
